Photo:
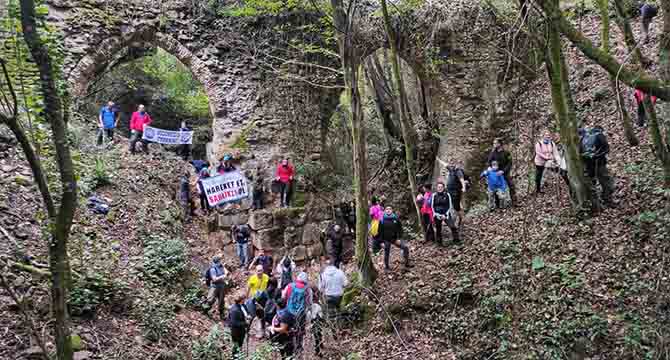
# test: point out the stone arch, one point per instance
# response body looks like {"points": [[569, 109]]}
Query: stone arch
{"points": [[91, 65]]}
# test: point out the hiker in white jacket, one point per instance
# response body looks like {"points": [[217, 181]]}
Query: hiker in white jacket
{"points": [[332, 283]]}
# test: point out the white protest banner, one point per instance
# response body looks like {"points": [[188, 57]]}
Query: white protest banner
{"points": [[225, 188], [167, 136]]}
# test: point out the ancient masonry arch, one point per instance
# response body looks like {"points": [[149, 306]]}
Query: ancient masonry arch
{"points": [[91, 65]]}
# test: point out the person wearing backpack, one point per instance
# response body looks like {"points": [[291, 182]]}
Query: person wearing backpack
{"points": [[237, 321], [376, 214], [240, 234], [648, 12], [285, 270], [639, 101], [298, 296], [427, 212], [544, 157], [332, 283], [283, 329], [265, 260], [215, 278], [444, 212], [390, 231], [504, 159], [456, 187], [594, 149]]}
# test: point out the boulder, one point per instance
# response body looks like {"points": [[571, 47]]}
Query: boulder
{"points": [[299, 253], [261, 219], [268, 239], [287, 216], [319, 213]]}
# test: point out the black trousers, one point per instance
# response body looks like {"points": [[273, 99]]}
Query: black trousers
{"points": [[336, 256], [428, 231], [539, 171], [237, 334], [438, 232], [204, 205]]}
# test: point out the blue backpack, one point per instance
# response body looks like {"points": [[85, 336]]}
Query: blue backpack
{"points": [[296, 303]]}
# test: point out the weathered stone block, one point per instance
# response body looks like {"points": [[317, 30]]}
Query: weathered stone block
{"points": [[228, 220], [319, 213], [261, 219], [315, 250], [292, 236], [299, 253], [287, 216], [268, 239], [311, 234]]}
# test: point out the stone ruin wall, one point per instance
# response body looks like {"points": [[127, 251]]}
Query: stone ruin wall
{"points": [[469, 92]]}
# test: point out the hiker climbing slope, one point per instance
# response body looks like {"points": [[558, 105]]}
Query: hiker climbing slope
{"points": [[215, 280], [594, 149]]}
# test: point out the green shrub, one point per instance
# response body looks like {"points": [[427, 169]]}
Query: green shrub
{"points": [[89, 292], [155, 312], [209, 348], [164, 260]]}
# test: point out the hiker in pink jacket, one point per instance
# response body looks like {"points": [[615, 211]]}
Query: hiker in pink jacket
{"points": [[138, 120], [544, 157]]}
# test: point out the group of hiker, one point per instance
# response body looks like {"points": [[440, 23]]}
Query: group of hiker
{"points": [[283, 300]]}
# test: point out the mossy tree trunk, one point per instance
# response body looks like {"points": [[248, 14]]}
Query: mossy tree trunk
{"points": [[560, 94], [345, 27], [628, 36], [629, 133], [405, 122], [60, 220]]}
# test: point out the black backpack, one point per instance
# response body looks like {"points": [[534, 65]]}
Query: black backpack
{"points": [[589, 143], [207, 275], [452, 176]]}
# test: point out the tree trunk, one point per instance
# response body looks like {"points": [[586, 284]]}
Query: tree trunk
{"points": [[661, 147], [557, 70], [344, 27], [605, 46], [61, 223], [405, 122], [636, 79], [624, 24]]}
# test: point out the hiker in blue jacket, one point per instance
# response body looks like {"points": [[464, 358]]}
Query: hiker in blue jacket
{"points": [[497, 186], [108, 119]]}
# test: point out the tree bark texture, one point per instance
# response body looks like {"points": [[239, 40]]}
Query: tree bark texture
{"points": [[624, 23], [61, 222], [405, 121], [634, 78], [345, 27], [568, 125], [629, 133]]}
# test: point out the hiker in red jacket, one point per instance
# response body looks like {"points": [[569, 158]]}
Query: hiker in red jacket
{"points": [[639, 99], [284, 176], [138, 120]]}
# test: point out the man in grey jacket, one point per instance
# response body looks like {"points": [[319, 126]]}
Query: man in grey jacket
{"points": [[332, 283]]}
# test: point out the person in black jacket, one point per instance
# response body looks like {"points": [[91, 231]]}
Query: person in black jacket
{"points": [[390, 230], [237, 317], [504, 159], [335, 245], [185, 195], [594, 149], [443, 211]]}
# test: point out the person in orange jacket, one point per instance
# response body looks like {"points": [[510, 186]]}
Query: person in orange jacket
{"points": [[138, 121]]}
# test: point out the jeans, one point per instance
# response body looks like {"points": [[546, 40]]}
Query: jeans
{"points": [[136, 136], [502, 196], [387, 251], [242, 251], [284, 189], [105, 134]]}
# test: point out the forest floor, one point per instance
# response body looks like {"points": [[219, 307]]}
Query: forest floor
{"points": [[529, 282]]}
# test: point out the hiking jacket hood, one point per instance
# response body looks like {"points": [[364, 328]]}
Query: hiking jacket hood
{"points": [[332, 281]]}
